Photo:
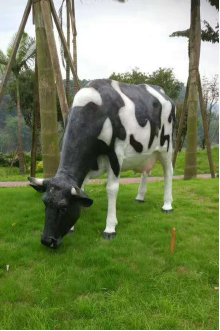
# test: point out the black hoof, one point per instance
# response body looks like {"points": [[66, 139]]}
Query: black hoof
{"points": [[140, 201], [167, 211], [109, 236]]}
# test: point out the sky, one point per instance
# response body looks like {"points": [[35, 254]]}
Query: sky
{"points": [[115, 37]]}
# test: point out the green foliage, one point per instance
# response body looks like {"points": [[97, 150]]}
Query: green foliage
{"points": [[26, 84], [132, 282], [40, 168], [9, 135], [4, 160], [24, 56], [163, 77], [134, 77]]}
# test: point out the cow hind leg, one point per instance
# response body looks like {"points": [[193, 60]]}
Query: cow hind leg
{"points": [[142, 189], [166, 160]]}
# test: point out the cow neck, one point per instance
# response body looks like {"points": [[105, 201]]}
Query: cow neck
{"points": [[72, 169]]}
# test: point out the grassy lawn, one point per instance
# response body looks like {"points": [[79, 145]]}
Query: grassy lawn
{"points": [[132, 282], [203, 168]]}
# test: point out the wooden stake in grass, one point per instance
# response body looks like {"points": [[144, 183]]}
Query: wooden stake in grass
{"points": [[173, 240]]}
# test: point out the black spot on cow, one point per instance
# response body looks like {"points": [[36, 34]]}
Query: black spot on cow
{"points": [[172, 116], [147, 107], [135, 144], [164, 138]]}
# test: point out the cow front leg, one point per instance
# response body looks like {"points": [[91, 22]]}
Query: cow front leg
{"points": [[112, 192], [142, 189], [166, 160]]}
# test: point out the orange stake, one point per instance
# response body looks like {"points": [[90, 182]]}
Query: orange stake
{"points": [[173, 240]]}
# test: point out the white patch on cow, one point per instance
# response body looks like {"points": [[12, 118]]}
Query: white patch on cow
{"points": [[73, 191], [38, 181], [86, 95], [129, 121], [166, 109], [166, 104], [106, 133], [162, 91]]}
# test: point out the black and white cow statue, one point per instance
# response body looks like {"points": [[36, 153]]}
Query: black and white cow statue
{"points": [[111, 127]]}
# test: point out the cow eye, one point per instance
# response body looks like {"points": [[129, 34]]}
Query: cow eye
{"points": [[63, 210]]}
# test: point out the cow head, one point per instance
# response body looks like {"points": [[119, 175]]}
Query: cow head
{"points": [[63, 202]]}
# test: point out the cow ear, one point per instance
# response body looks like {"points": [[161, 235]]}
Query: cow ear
{"points": [[39, 184], [82, 197]]}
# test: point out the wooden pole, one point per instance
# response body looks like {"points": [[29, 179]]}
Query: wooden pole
{"points": [[205, 126], [45, 7], [15, 47], [63, 40], [180, 129], [47, 97], [173, 240]]}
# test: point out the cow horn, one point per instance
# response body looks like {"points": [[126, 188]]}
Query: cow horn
{"points": [[36, 181], [73, 191]]}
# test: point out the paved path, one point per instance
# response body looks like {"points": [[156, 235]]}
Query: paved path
{"points": [[102, 181]]}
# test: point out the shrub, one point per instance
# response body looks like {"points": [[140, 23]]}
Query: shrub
{"points": [[39, 167]]}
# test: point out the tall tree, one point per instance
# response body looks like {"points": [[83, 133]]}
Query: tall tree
{"points": [[24, 57], [194, 55], [211, 96]]}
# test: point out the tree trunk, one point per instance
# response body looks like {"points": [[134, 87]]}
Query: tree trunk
{"points": [[36, 119], [75, 89], [191, 139], [206, 128], [67, 61], [20, 149], [47, 97], [214, 133], [178, 144]]}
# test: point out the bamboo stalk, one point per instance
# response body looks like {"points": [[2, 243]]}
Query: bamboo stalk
{"points": [[214, 133], [74, 31], [63, 40], [205, 126], [47, 97], [67, 61], [15, 47], [45, 8]]}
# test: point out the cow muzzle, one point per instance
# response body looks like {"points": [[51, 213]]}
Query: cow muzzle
{"points": [[51, 242]]}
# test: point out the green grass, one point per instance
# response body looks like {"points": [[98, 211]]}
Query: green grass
{"points": [[132, 282], [203, 168]]}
